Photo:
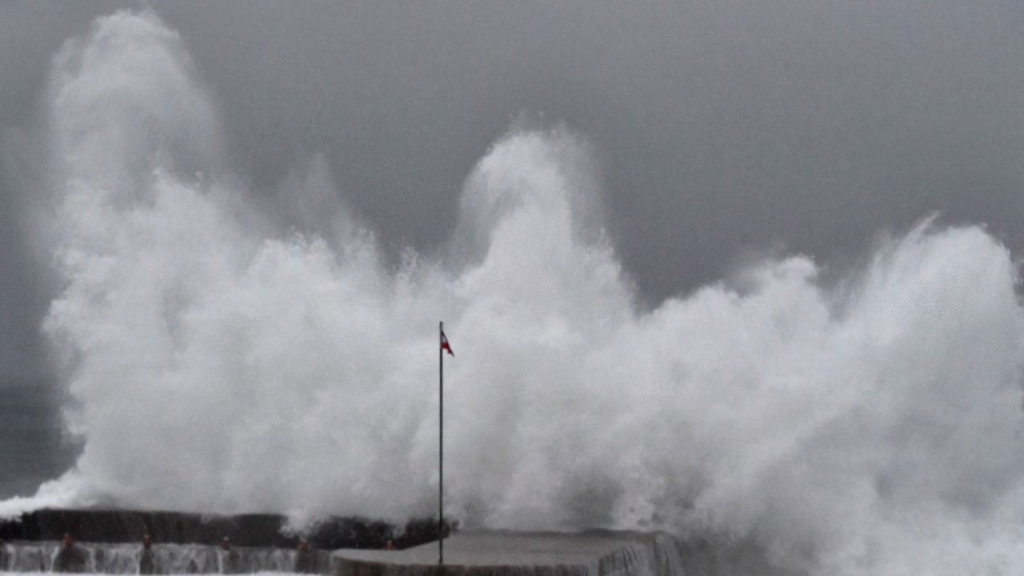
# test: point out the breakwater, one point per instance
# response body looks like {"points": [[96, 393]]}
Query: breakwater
{"points": [[490, 553], [167, 558], [247, 530]]}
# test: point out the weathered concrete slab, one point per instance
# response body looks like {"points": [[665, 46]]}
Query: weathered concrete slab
{"points": [[522, 554]]}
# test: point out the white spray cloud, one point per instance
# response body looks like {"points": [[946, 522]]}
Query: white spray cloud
{"points": [[215, 366]]}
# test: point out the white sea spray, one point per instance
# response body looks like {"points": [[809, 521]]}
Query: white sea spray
{"points": [[217, 364]]}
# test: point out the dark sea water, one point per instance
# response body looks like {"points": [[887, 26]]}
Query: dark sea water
{"points": [[33, 448]]}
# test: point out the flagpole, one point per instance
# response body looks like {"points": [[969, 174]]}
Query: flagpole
{"points": [[440, 446]]}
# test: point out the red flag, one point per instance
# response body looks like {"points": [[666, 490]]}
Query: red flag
{"points": [[445, 345]]}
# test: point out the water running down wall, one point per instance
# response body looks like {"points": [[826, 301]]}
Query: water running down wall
{"points": [[170, 558]]}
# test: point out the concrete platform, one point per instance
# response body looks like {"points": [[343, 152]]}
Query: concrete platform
{"points": [[488, 553]]}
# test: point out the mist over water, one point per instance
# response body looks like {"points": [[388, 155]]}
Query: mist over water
{"points": [[220, 356]]}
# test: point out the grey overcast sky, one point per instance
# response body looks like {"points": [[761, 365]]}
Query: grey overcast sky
{"points": [[723, 128]]}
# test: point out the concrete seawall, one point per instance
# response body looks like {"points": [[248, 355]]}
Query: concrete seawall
{"points": [[255, 530], [524, 554], [21, 557]]}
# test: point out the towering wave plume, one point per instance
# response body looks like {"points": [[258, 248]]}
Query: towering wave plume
{"points": [[866, 427]]}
